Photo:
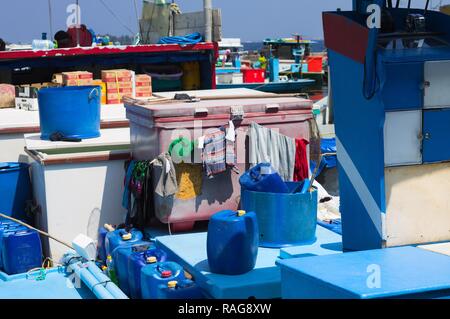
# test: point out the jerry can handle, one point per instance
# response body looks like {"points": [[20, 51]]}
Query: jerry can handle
{"points": [[90, 97]]}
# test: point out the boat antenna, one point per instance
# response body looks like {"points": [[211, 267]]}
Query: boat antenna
{"points": [[78, 23], [426, 6], [50, 18]]}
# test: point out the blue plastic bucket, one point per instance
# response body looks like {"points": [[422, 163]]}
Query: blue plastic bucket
{"points": [[284, 219], [15, 189], [73, 111]]}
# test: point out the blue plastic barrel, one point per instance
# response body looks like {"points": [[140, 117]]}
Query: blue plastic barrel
{"points": [[154, 275], [121, 237], [283, 219], [73, 111], [185, 289], [101, 249], [21, 251], [263, 178], [15, 189], [120, 256], [136, 262], [232, 242]]}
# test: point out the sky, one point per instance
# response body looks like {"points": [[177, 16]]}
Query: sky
{"points": [[250, 20]]}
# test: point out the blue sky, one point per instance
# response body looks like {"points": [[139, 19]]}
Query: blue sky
{"points": [[251, 20]]}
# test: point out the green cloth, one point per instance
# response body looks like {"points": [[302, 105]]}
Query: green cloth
{"points": [[181, 148]]}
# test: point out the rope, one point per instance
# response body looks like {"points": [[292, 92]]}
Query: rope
{"points": [[39, 231]]}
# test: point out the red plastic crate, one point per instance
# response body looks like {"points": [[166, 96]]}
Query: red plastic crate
{"points": [[314, 63], [254, 75]]}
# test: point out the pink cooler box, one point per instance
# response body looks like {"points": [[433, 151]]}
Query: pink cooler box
{"points": [[153, 127]]}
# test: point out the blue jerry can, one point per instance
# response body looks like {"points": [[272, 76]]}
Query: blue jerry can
{"points": [[136, 262], [185, 289], [232, 242], [154, 275], [120, 256], [121, 237], [21, 251]]}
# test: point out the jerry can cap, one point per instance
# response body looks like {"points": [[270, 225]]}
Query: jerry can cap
{"points": [[166, 274], [151, 260], [172, 284], [241, 213], [126, 236]]}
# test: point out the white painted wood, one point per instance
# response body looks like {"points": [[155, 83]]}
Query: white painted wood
{"points": [[441, 248], [109, 137], [417, 204], [77, 199], [13, 118], [402, 142], [437, 94], [12, 148]]}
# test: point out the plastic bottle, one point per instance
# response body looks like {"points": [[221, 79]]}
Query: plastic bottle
{"points": [[111, 270], [42, 45]]}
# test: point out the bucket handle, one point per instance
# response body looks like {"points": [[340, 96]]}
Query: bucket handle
{"points": [[90, 97]]}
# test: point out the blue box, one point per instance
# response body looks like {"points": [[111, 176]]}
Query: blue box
{"points": [[404, 272]]}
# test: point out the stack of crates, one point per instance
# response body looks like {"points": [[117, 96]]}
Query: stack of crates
{"points": [[119, 83], [143, 86], [77, 78]]}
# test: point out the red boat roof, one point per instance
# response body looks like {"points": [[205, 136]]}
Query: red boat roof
{"points": [[104, 50]]}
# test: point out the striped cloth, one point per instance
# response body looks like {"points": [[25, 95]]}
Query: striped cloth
{"points": [[218, 152]]}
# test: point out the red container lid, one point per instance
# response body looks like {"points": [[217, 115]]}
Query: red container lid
{"points": [[166, 274]]}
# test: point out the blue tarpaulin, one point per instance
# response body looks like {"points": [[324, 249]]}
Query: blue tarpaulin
{"points": [[327, 145], [192, 38]]}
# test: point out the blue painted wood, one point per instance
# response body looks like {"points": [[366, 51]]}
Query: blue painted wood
{"points": [[264, 281], [272, 87], [359, 130], [400, 85], [436, 130], [327, 243], [405, 272]]}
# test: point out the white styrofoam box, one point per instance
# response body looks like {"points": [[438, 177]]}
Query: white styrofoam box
{"points": [[85, 247], [437, 94], [402, 138], [27, 104]]}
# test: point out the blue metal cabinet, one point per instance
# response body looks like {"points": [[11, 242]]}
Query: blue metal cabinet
{"points": [[436, 135]]}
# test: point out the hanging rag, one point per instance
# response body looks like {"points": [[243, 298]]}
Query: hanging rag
{"points": [[269, 146], [213, 156], [167, 182], [301, 169], [230, 142], [126, 193], [189, 179]]}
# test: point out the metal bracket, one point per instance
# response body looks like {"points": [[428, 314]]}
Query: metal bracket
{"points": [[237, 113], [272, 108]]}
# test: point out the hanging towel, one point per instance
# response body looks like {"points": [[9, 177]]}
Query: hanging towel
{"points": [[167, 183], [269, 146], [301, 170]]}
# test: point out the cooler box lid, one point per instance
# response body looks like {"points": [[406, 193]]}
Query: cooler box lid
{"points": [[203, 108]]}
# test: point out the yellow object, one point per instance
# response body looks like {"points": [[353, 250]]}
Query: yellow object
{"points": [[263, 61], [172, 284], [445, 9], [103, 87], [126, 236], [191, 76], [241, 213], [109, 258], [189, 179], [151, 260]]}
